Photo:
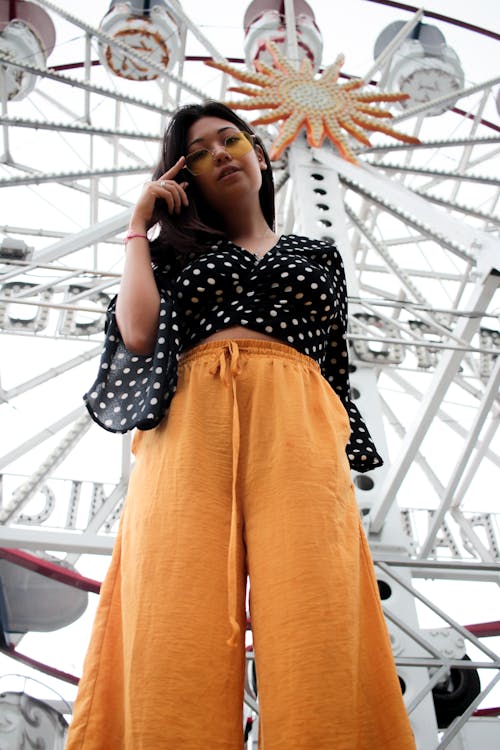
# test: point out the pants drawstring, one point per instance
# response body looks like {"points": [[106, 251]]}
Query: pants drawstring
{"points": [[229, 378]]}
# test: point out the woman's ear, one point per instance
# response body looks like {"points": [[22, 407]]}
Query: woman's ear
{"points": [[260, 157]]}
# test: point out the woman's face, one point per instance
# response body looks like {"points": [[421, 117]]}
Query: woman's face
{"points": [[229, 178]]}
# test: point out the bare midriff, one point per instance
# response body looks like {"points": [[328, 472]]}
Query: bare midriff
{"points": [[239, 332]]}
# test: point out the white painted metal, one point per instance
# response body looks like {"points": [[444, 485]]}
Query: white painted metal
{"points": [[490, 395], [478, 733], [445, 372]]}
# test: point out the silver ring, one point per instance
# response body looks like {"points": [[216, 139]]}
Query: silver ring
{"points": [[162, 183]]}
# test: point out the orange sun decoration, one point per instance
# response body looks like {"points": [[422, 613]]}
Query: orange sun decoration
{"points": [[324, 106]]}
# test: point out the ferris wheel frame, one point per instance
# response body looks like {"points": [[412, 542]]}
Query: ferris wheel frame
{"points": [[396, 332]]}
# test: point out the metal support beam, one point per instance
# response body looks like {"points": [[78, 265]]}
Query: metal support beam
{"points": [[447, 99], [491, 393], [44, 434], [444, 374], [62, 541], [460, 238], [98, 233], [26, 491], [40, 178], [20, 122], [440, 173], [446, 417], [438, 144], [50, 373], [466, 634]]}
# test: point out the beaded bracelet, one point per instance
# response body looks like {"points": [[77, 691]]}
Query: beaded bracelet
{"points": [[132, 235]]}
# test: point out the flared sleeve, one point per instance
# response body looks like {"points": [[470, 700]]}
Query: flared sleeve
{"points": [[361, 450], [133, 390]]}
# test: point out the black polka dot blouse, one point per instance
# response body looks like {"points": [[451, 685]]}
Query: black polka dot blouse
{"points": [[296, 293]]}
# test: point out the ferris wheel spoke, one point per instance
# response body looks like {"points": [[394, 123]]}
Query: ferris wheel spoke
{"points": [[441, 174], [378, 246], [60, 127], [460, 207], [448, 99], [100, 232], [52, 372], [76, 83], [71, 176], [402, 203], [424, 145]]}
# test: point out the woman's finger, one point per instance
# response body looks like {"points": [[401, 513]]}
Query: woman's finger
{"points": [[169, 201], [174, 193], [173, 171], [183, 194]]}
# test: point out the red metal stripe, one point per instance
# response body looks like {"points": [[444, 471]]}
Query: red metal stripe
{"points": [[484, 629], [40, 666], [438, 17], [50, 569], [487, 711]]}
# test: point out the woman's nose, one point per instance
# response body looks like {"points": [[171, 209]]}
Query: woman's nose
{"points": [[220, 154]]}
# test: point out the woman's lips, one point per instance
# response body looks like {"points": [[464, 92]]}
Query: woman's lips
{"points": [[227, 172]]}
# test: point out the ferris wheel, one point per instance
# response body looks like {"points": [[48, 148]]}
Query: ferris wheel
{"points": [[414, 212]]}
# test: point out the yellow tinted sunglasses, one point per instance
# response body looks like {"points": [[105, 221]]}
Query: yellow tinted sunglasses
{"points": [[236, 144]]}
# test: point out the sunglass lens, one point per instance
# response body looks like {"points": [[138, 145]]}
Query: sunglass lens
{"points": [[238, 144], [199, 161]]}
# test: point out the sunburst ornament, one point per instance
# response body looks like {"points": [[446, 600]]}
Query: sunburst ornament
{"points": [[325, 107]]}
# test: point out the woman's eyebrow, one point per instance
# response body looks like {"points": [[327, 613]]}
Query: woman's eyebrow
{"points": [[220, 130]]}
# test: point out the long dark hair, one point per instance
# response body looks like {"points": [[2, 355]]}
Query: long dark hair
{"points": [[197, 224]]}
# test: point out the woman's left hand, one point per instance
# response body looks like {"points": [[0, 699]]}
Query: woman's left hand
{"points": [[166, 188]]}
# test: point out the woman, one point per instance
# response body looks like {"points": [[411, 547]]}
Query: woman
{"points": [[245, 471]]}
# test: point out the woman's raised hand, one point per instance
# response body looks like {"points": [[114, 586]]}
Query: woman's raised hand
{"points": [[173, 193]]}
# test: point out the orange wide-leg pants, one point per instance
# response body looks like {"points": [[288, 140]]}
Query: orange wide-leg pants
{"points": [[247, 475]]}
